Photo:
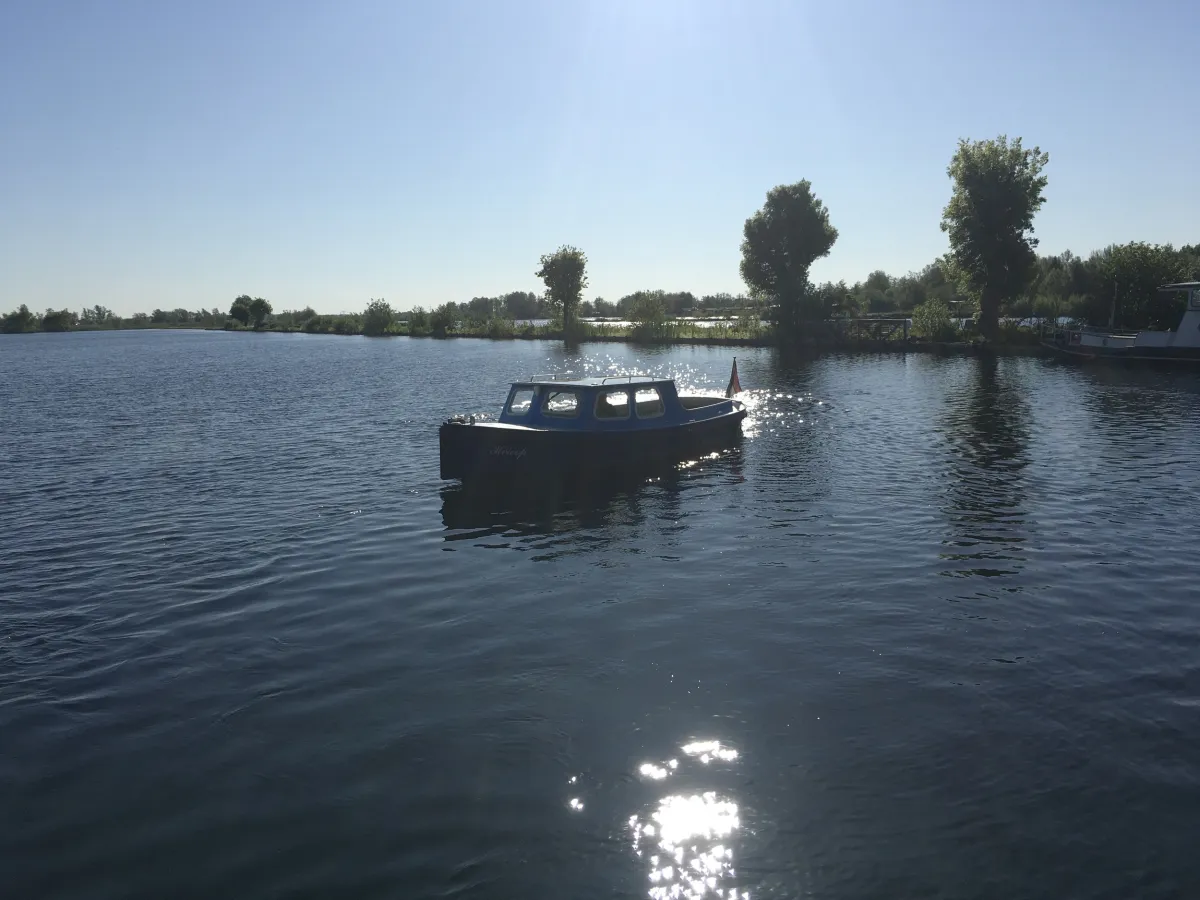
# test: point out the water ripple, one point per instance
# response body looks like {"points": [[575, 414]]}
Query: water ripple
{"points": [[930, 616]]}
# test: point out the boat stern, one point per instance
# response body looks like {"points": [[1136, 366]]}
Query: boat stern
{"points": [[467, 449]]}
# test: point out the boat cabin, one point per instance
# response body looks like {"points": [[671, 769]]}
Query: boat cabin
{"points": [[624, 402]]}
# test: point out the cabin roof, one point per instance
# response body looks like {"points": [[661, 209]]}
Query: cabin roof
{"points": [[1181, 286], [595, 381]]}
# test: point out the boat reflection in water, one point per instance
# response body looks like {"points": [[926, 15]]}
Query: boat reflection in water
{"points": [[558, 502]]}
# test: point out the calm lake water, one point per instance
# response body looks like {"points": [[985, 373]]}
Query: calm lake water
{"points": [[931, 630]]}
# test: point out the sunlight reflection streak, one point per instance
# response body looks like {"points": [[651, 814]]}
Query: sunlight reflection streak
{"points": [[687, 836]]}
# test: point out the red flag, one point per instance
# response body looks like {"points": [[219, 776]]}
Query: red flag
{"points": [[735, 386]]}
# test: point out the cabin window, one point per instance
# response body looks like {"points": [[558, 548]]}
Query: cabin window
{"points": [[520, 401], [561, 403], [649, 403], [612, 405]]}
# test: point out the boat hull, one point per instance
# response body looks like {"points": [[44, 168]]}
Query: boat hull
{"points": [[470, 451], [1088, 353]]}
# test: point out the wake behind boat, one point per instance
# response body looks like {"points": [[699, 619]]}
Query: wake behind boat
{"points": [[1179, 346], [557, 423]]}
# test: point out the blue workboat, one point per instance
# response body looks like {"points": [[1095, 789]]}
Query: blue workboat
{"points": [[559, 423]]}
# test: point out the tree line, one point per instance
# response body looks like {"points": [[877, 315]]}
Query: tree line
{"points": [[1117, 283], [100, 317], [990, 275], [991, 271]]}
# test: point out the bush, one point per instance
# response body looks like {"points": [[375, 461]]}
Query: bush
{"points": [[650, 318], [1015, 334], [500, 328], [377, 319], [932, 320]]}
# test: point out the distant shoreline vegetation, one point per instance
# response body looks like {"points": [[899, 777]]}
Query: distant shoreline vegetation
{"points": [[991, 287], [1064, 287]]}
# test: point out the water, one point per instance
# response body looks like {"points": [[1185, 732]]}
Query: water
{"points": [[930, 631]]}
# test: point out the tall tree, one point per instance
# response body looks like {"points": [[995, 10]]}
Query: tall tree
{"points": [[259, 310], [997, 191], [565, 274], [780, 243], [240, 309]]}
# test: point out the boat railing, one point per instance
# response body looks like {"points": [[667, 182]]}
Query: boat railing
{"points": [[1074, 326], [570, 376], [626, 379]]}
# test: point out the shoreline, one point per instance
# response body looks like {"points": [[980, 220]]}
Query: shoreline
{"points": [[899, 345], [943, 348]]}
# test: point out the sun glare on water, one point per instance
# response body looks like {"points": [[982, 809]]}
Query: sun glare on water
{"points": [[687, 837]]}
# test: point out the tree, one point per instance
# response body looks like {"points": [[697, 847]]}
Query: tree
{"points": [[441, 320], [481, 309], [259, 309], [714, 302], [835, 298], [418, 320], [780, 243], [628, 304], [1130, 278], [521, 305], [18, 321], [97, 316], [241, 309], [378, 318], [649, 316], [564, 273], [879, 280], [680, 301], [59, 320], [998, 188]]}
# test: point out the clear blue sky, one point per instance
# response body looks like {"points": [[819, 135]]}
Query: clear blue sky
{"points": [[163, 154]]}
